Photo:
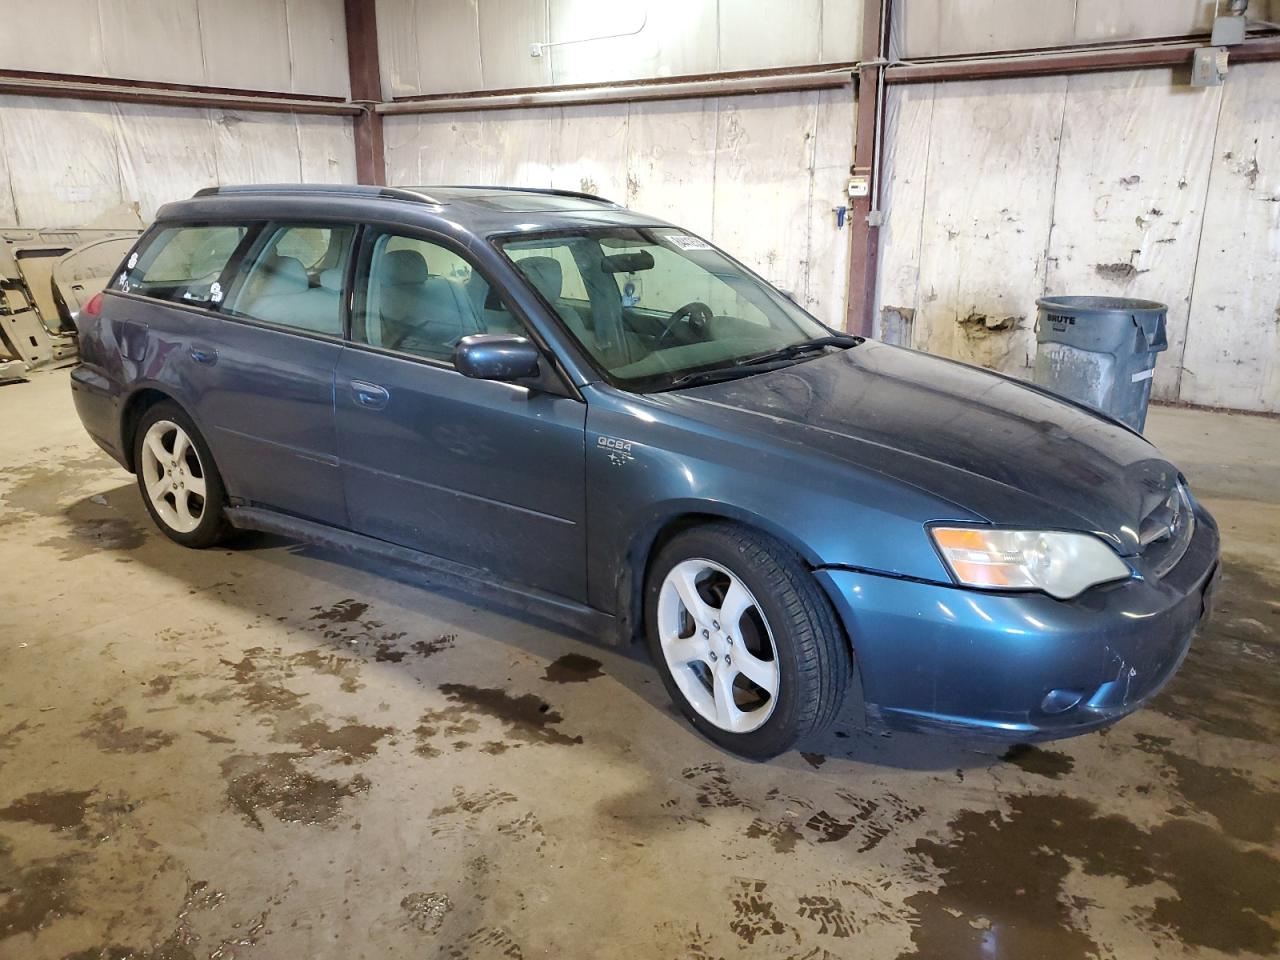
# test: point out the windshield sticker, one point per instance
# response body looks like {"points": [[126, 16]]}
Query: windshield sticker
{"points": [[682, 241]]}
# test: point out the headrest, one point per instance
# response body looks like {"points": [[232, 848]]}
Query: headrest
{"points": [[331, 279], [404, 266], [545, 274], [285, 275]]}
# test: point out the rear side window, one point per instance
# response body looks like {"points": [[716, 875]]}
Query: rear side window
{"points": [[182, 264], [293, 277]]}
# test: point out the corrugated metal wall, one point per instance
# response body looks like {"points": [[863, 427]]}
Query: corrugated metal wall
{"points": [[447, 46], [64, 162], [297, 46], [1117, 184], [758, 175], [932, 28], [996, 192]]}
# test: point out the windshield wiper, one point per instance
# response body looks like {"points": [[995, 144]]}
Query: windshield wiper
{"points": [[804, 346], [717, 375]]}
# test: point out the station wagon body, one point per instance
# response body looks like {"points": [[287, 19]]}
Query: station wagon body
{"points": [[517, 388]]}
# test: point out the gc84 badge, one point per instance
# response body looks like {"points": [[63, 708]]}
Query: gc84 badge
{"points": [[619, 451]]}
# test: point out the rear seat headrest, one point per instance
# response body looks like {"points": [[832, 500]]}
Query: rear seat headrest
{"points": [[404, 266], [284, 275], [331, 279]]}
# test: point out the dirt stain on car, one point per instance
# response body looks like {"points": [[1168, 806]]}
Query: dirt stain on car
{"points": [[573, 668], [274, 783], [1003, 882], [1037, 760]]}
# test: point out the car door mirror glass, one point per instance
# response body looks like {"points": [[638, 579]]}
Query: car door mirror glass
{"points": [[496, 356]]}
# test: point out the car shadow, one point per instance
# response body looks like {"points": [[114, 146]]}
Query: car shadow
{"points": [[339, 573]]}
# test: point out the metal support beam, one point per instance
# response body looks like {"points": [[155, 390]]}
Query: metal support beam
{"points": [[864, 228], [725, 84], [78, 87], [366, 90], [1065, 61]]}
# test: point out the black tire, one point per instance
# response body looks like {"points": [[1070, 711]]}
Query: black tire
{"points": [[813, 660], [213, 527]]}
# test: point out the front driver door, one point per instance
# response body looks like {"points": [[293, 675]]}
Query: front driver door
{"points": [[484, 473]]}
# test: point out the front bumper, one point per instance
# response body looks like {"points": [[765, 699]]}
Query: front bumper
{"points": [[1021, 666]]}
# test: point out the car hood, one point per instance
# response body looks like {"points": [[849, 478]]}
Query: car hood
{"points": [[1006, 451]]}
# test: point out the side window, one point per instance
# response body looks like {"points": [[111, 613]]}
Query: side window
{"points": [[421, 298], [293, 277], [182, 264]]}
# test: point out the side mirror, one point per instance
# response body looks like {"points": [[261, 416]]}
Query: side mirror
{"points": [[496, 356]]}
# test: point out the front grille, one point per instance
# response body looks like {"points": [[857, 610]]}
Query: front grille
{"points": [[1165, 532]]}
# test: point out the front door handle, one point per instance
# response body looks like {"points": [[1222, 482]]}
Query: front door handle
{"points": [[206, 355], [370, 395]]}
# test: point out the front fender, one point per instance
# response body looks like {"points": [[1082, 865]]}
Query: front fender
{"points": [[647, 467]]}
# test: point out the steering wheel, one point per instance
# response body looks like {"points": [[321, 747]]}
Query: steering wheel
{"points": [[695, 312]]}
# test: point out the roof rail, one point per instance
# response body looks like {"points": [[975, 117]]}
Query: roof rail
{"points": [[549, 191], [324, 189]]}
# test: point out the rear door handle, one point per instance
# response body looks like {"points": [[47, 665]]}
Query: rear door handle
{"points": [[370, 395], [205, 355]]}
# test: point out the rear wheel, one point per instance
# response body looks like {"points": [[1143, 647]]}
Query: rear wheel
{"points": [[180, 484], [747, 644]]}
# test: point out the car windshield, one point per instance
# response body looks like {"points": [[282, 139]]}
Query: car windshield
{"points": [[658, 308]]}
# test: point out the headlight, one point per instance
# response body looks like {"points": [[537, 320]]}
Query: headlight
{"points": [[1061, 564]]}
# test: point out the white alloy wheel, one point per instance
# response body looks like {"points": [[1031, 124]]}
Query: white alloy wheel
{"points": [[173, 476], [718, 645]]}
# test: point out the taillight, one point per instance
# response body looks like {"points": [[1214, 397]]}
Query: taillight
{"points": [[94, 307]]}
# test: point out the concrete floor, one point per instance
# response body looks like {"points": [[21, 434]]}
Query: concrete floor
{"points": [[269, 751]]}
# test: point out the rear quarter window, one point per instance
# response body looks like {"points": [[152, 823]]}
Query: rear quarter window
{"points": [[182, 264]]}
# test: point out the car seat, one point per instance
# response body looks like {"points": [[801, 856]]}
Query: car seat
{"points": [[413, 310], [547, 276], [284, 295]]}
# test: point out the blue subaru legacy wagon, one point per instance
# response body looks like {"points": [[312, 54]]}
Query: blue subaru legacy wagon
{"points": [[602, 415]]}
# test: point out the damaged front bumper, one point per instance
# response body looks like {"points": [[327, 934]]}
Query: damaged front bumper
{"points": [[1021, 666]]}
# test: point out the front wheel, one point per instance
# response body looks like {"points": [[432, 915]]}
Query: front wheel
{"points": [[177, 477], [748, 646]]}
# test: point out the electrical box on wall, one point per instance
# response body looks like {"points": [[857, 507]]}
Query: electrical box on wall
{"points": [[1209, 67], [859, 186]]}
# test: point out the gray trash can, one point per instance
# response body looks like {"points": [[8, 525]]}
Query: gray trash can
{"points": [[1101, 351]]}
